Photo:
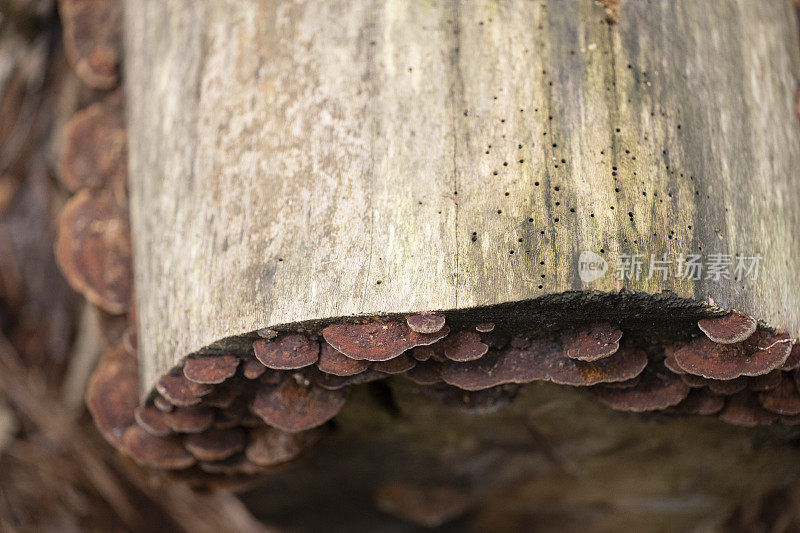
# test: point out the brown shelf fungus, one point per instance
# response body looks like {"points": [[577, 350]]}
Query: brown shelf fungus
{"points": [[657, 389], [163, 453], [94, 249], [288, 352], [210, 369], [378, 340], [93, 39], [425, 323], [729, 329], [592, 342], [297, 405], [762, 352]]}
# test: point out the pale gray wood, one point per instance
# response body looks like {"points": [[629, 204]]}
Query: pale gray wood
{"points": [[296, 161]]}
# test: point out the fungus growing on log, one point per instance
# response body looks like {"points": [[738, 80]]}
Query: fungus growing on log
{"points": [[543, 360], [425, 323], [164, 453], [331, 382], [695, 381], [793, 361], [464, 346], [626, 364], [95, 151], [180, 391], [332, 361], [701, 402], [726, 387], [657, 389], [162, 404], [94, 249], [270, 446], [253, 369], [426, 372], [760, 353], [669, 358], [113, 394], [93, 39], [783, 400], [290, 352], [378, 340], [223, 395], [294, 406], [484, 327], [744, 409], [151, 420], [766, 381], [398, 365], [192, 419], [210, 369], [729, 329], [215, 444], [593, 342]]}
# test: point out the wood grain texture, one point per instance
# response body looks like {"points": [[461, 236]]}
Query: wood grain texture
{"points": [[295, 161]]}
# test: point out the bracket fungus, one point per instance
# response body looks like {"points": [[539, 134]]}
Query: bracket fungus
{"points": [[113, 394], [332, 361], [215, 444], [626, 364], [164, 453], [192, 419], [484, 327], [269, 446], [425, 322], [289, 352], [783, 400], [180, 391], [378, 340], [95, 147], [464, 346], [210, 369], [297, 406], [744, 409], [760, 353], [253, 369], [426, 372], [398, 365], [793, 361], [729, 329], [93, 39], [592, 342], [726, 387], [701, 402], [94, 249], [657, 389], [766, 382], [151, 420]]}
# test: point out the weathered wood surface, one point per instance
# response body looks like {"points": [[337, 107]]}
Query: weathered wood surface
{"points": [[293, 161]]}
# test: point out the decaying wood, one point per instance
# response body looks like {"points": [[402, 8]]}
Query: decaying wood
{"points": [[414, 157]]}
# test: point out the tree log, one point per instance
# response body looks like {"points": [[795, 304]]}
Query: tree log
{"points": [[297, 166], [301, 162]]}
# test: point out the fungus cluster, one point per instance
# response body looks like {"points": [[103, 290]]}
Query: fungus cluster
{"points": [[243, 413], [205, 416]]}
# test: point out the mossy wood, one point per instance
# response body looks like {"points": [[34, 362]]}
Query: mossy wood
{"points": [[306, 161]]}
